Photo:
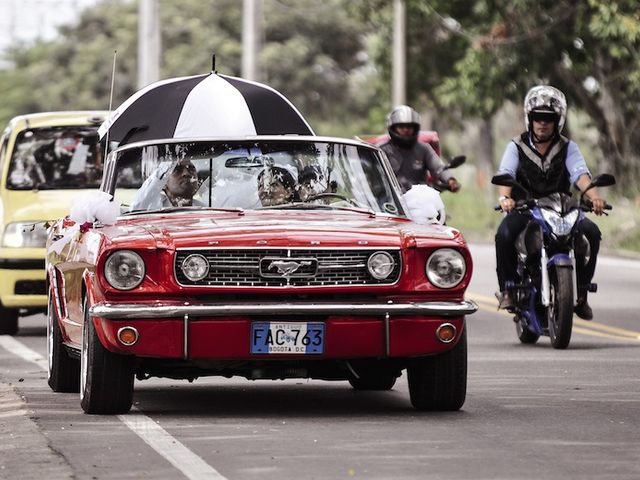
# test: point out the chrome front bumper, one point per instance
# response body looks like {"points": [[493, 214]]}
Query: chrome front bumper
{"points": [[161, 310]]}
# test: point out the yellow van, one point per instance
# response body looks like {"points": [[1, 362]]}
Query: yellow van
{"points": [[46, 159]]}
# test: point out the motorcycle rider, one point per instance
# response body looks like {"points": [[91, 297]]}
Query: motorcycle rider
{"points": [[544, 162], [410, 159]]}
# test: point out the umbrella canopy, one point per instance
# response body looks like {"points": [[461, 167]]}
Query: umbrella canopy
{"points": [[203, 106]]}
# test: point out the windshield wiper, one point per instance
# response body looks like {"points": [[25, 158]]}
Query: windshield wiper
{"points": [[183, 209], [317, 206]]}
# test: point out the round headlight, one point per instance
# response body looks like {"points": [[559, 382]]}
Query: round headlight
{"points": [[380, 265], [124, 270], [445, 268], [195, 267]]}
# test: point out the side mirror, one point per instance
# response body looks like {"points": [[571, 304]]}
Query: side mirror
{"points": [[456, 161], [504, 180], [603, 180]]}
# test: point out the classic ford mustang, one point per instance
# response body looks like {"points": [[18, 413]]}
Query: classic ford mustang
{"points": [[267, 257]]}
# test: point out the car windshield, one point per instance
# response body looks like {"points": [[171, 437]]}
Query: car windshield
{"points": [[56, 158], [275, 174]]}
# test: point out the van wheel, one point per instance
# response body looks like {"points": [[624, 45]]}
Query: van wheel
{"points": [[64, 371], [8, 321]]}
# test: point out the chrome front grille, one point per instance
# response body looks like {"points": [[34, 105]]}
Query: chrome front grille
{"points": [[271, 267]]}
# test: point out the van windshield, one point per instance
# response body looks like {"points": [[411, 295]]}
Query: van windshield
{"points": [[56, 158]]}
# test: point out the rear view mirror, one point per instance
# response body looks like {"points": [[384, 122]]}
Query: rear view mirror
{"points": [[244, 162]]}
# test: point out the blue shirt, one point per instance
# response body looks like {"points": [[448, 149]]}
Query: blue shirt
{"points": [[575, 163]]}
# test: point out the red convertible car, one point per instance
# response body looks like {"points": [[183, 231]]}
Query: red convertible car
{"points": [[267, 257]]}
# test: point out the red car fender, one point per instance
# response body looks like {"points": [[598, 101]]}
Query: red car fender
{"points": [[94, 295]]}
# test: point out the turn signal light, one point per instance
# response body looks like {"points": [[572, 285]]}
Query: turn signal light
{"points": [[128, 336], [446, 333]]}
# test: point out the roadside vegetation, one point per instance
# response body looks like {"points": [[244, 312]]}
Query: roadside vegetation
{"points": [[469, 64]]}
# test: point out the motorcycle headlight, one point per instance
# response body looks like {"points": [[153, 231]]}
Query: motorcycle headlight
{"points": [[25, 235], [195, 267], [560, 225], [380, 265], [445, 268], [124, 270]]}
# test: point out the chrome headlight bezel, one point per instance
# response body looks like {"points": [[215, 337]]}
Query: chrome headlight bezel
{"points": [[195, 257], [380, 265], [124, 270], [31, 234], [560, 225], [445, 268]]}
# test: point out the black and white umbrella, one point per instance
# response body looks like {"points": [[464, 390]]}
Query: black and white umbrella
{"points": [[210, 105]]}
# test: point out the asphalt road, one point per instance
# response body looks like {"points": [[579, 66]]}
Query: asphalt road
{"points": [[531, 412]]}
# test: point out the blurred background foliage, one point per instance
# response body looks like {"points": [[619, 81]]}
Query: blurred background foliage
{"points": [[469, 64]]}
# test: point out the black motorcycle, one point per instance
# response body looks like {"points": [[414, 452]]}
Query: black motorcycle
{"points": [[546, 290]]}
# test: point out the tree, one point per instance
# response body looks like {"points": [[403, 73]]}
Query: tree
{"points": [[312, 53]]}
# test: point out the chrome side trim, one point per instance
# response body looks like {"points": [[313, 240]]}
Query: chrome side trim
{"points": [[159, 310]]}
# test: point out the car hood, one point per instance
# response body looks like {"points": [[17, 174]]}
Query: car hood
{"points": [[283, 228], [34, 205]]}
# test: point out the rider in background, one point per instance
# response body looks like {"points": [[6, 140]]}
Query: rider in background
{"points": [[544, 162], [411, 160]]}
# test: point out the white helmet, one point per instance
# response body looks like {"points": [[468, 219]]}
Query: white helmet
{"points": [[545, 98]]}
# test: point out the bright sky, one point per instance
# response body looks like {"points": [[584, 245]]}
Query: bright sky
{"points": [[23, 21]]}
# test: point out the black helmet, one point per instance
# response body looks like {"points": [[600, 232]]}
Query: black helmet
{"points": [[403, 115]]}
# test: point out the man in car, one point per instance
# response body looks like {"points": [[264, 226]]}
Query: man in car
{"points": [[168, 187]]}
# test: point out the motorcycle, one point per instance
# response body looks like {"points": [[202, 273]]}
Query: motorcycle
{"points": [[546, 291]]}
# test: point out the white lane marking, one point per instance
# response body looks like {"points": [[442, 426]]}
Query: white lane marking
{"points": [[19, 349], [190, 464], [175, 452]]}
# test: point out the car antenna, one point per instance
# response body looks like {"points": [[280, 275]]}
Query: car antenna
{"points": [[113, 77]]}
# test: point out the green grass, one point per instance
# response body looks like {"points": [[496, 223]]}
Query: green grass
{"points": [[471, 211]]}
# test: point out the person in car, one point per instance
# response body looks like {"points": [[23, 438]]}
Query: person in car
{"points": [[545, 162], [276, 186], [412, 161], [169, 187]]}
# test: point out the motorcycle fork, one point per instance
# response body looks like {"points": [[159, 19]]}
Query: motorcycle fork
{"points": [[545, 288]]}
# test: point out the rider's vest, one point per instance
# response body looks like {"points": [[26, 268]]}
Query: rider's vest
{"points": [[542, 175]]}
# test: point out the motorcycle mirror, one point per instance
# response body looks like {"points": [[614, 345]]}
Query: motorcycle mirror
{"points": [[504, 180], [603, 180], [456, 161]]}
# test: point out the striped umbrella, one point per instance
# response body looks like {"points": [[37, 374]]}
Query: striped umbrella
{"points": [[210, 105]]}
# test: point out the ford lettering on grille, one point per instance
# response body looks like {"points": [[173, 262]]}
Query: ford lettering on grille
{"points": [[283, 267]]}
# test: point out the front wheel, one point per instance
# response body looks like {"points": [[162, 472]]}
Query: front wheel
{"points": [[440, 382], [106, 378], [560, 310]]}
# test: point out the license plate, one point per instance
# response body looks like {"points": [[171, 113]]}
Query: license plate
{"points": [[287, 338]]}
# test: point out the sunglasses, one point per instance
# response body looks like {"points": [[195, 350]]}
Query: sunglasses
{"points": [[188, 167], [543, 117]]}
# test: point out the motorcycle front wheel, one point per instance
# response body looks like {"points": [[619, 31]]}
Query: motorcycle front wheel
{"points": [[560, 310]]}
